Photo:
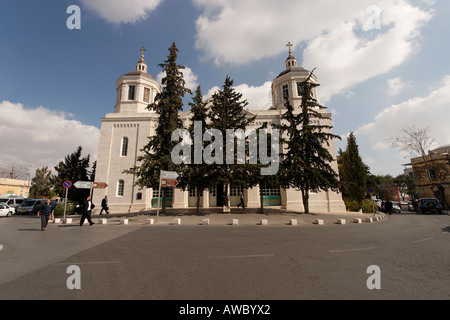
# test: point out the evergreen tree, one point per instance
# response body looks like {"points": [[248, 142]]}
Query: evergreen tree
{"points": [[41, 183], [167, 104], [196, 175], [305, 163], [227, 112], [74, 168], [353, 172]]}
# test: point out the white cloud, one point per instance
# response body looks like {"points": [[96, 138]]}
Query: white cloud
{"points": [[258, 98], [189, 77], [338, 42], [42, 137], [119, 11], [395, 86], [431, 110]]}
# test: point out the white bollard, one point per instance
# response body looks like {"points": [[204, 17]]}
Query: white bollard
{"points": [[234, 222], [177, 221], [123, 221], [368, 220], [293, 222], [341, 221], [318, 221], [205, 222], [103, 221], [57, 220], [263, 222], [357, 220], [149, 221], [68, 220]]}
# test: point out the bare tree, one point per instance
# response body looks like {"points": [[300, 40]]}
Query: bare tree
{"points": [[418, 140]]}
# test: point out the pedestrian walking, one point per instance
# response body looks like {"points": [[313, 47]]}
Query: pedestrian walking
{"points": [[45, 211], [241, 196], [105, 205], [86, 211]]}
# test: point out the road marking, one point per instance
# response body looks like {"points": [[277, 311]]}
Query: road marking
{"points": [[246, 256], [79, 263], [421, 240], [348, 250]]}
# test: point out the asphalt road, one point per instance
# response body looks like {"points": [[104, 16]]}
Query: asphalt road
{"points": [[227, 262]]}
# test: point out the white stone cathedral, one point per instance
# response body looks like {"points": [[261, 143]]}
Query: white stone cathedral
{"points": [[125, 132]]}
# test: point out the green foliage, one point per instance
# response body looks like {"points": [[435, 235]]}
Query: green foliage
{"points": [[74, 168], [352, 205], [352, 171], [168, 103], [367, 206], [306, 163], [70, 208], [41, 184]]}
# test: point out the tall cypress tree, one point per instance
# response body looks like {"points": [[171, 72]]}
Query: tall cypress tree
{"points": [[196, 175], [352, 171], [227, 112], [305, 164], [168, 103]]}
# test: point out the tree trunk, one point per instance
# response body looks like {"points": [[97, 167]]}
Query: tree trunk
{"points": [[198, 201], [305, 196], [261, 201]]}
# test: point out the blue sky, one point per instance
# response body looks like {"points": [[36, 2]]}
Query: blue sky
{"points": [[56, 84]]}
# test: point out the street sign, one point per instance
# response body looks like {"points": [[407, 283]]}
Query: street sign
{"points": [[99, 185], [168, 183], [370, 190], [171, 175], [83, 184], [67, 184]]}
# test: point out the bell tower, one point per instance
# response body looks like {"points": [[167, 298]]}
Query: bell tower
{"points": [[136, 89], [287, 83]]}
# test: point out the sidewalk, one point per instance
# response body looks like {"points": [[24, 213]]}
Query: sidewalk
{"points": [[244, 217]]}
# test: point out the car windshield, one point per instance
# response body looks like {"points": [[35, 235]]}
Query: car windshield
{"points": [[432, 201], [28, 203], [3, 201]]}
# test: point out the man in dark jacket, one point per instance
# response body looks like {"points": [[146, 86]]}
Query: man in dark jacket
{"points": [[105, 205], [45, 211], [86, 211]]}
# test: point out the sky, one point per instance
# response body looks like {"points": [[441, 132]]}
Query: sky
{"points": [[381, 65]]}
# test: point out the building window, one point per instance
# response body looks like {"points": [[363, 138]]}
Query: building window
{"points": [[139, 196], [124, 150], [131, 92], [235, 191], [285, 92], [432, 172], [299, 89], [119, 94], [120, 188], [269, 192], [146, 95]]}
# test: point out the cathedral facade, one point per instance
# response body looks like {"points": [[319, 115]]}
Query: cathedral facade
{"points": [[125, 132]]}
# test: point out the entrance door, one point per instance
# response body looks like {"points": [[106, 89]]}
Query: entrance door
{"points": [[220, 198]]}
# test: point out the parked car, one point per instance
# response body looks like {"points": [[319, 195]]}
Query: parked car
{"points": [[430, 205], [6, 211], [12, 201], [31, 206], [396, 208]]}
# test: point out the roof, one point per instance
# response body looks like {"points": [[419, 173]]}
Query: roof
{"points": [[140, 73]]}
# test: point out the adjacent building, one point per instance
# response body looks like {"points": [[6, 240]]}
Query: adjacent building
{"points": [[433, 175], [125, 132]]}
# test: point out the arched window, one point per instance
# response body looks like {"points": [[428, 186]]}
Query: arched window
{"points": [[124, 150], [120, 188]]}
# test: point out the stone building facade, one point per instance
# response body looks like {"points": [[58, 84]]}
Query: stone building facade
{"points": [[125, 132], [433, 177]]}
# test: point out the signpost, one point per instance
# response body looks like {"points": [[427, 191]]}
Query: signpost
{"points": [[166, 179], [83, 184], [66, 185]]}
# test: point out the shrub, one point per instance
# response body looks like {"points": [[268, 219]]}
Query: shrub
{"points": [[367, 206], [351, 205], [70, 209]]}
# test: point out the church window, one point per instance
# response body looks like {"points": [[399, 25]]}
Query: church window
{"points": [[299, 89], [131, 92], [285, 91], [120, 188], [124, 150], [139, 196], [146, 95]]}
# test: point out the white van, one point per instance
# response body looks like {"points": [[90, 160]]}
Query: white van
{"points": [[12, 201]]}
